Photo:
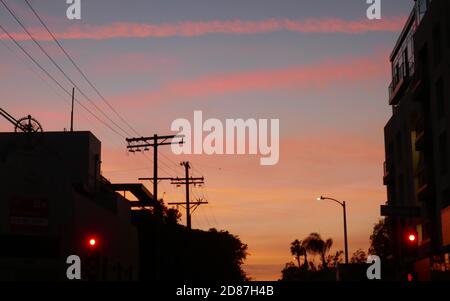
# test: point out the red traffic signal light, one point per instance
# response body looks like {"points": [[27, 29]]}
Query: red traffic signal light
{"points": [[92, 242], [412, 237], [411, 243]]}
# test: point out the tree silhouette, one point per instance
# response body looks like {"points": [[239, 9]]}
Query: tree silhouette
{"points": [[316, 245], [186, 255], [326, 248], [359, 256], [380, 243], [308, 271], [298, 250], [334, 259], [305, 254], [290, 272]]}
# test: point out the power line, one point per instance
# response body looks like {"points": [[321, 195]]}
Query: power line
{"points": [[43, 79], [170, 160], [64, 89], [89, 81], [79, 69], [145, 156], [84, 75], [59, 67], [72, 82], [142, 144], [54, 80], [203, 214]]}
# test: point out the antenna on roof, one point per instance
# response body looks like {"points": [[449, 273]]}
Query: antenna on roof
{"points": [[71, 112]]}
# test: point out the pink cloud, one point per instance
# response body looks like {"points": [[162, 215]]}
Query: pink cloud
{"points": [[315, 76], [198, 28], [132, 63]]}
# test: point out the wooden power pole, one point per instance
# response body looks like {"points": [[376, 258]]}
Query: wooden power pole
{"points": [[143, 144], [187, 180]]}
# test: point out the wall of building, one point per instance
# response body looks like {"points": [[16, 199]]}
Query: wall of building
{"points": [[417, 143], [52, 201]]}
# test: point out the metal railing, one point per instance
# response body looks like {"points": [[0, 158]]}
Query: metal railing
{"points": [[405, 71]]}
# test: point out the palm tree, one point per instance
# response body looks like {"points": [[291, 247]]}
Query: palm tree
{"points": [[326, 248], [316, 245], [298, 250], [305, 254]]}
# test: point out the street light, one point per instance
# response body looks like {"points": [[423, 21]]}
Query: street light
{"points": [[345, 223]]}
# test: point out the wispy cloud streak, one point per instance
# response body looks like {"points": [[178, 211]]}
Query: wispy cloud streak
{"points": [[315, 76], [237, 27]]}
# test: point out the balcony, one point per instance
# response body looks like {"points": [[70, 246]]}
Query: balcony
{"points": [[399, 82], [421, 7], [387, 176]]}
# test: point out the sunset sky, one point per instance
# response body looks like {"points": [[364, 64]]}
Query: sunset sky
{"points": [[320, 66]]}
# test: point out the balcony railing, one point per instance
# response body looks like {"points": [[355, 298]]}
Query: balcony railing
{"points": [[399, 79]]}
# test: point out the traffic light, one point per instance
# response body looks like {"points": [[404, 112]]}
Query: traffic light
{"points": [[92, 262], [411, 243], [92, 242]]}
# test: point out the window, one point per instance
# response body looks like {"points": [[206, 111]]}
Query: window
{"points": [[403, 62], [443, 153], [437, 51], [440, 102]]}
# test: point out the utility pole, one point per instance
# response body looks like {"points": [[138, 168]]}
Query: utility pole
{"points": [[187, 181], [143, 144], [71, 112]]}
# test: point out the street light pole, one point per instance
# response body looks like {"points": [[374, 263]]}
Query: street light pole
{"points": [[345, 232], [345, 223]]}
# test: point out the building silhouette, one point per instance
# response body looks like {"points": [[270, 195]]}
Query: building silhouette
{"points": [[417, 144], [55, 203]]}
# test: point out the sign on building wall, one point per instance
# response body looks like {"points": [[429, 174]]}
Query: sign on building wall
{"points": [[28, 215]]}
